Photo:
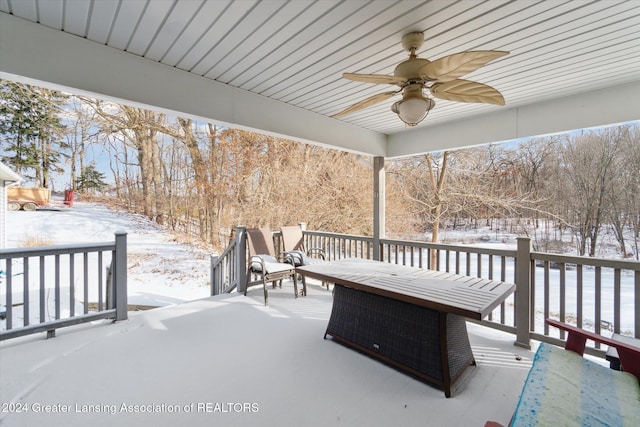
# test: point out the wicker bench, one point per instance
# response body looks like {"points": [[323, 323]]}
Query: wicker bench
{"points": [[563, 388]]}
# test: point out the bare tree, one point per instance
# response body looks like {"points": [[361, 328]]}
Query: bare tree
{"points": [[140, 128], [622, 197], [80, 132], [427, 190], [588, 171]]}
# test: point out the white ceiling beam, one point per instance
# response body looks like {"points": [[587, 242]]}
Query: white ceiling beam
{"points": [[37, 54], [612, 105]]}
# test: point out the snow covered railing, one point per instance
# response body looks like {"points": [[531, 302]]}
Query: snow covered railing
{"points": [[339, 246], [600, 295], [228, 270], [65, 292]]}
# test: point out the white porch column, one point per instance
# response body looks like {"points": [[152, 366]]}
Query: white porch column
{"points": [[378, 205]]}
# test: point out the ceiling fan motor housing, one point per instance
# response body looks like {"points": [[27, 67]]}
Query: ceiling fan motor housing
{"points": [[409, 68], [412, 41]]}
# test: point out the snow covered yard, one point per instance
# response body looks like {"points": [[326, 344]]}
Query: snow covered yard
{"points": [[161, 271]]}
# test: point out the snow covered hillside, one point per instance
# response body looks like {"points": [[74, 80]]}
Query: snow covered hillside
{"points": [[161, 270]]}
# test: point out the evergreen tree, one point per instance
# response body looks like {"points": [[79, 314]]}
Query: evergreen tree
{"points": [[31, 129], [18, 130], [90, 179]]}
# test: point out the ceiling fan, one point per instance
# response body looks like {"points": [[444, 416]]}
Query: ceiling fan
{"points": [[441, 77]]}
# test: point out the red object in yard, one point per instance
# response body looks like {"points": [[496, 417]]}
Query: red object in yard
{"points": [[68, 197]]}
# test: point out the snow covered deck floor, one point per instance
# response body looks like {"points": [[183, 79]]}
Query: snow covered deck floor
{"points": [[230, 361]]}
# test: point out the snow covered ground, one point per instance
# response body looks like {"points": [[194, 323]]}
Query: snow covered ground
{"points": [[161, 271]]}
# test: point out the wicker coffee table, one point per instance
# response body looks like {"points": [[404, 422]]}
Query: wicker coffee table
{"points": [[411, 318]]}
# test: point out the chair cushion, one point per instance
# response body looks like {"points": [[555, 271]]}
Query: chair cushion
{"points": [[294, 257], [271, 265], [299, 258], [310, 261]]}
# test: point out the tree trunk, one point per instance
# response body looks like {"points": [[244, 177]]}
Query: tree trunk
{"points": [[438, 189]]}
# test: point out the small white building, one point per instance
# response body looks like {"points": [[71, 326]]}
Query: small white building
{"points": [[7, 177]]}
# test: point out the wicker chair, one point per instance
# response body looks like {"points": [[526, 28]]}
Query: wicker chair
{"points": [[264, 264], [295, 252]]}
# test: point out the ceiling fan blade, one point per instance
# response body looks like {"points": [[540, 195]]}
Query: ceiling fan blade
{"points": [[374, 78], [365, 103], [467, 91], [457, 65]]}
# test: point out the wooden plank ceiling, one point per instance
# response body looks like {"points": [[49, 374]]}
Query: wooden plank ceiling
{"points": [[295, 51]]}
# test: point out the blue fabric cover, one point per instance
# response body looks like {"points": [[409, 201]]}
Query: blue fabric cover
{"points": [[564, 389]]}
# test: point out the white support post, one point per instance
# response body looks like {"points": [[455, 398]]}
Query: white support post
{"points": [[378, 206]]}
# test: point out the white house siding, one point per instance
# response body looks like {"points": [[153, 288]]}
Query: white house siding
{"points": [[7, 177], [3, 216]]}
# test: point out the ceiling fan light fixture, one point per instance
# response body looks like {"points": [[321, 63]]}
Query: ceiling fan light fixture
{"points": [[412, 110]]}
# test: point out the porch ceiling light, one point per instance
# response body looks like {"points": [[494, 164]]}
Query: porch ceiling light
{"points": [[414, 106]]}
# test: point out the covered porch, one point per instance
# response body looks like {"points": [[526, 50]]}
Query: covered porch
{"points": [[571, 66]]}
